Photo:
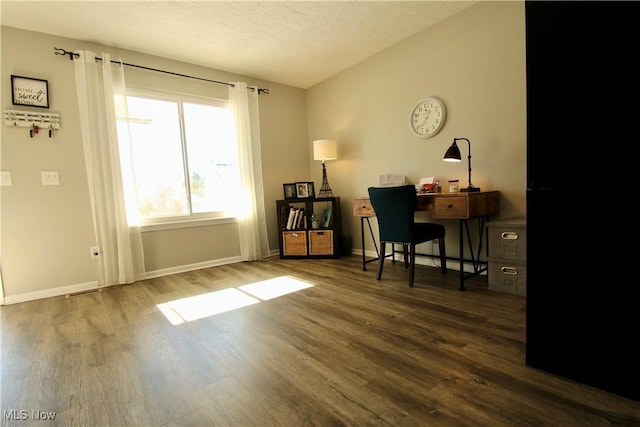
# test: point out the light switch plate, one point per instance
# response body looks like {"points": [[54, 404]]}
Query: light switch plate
{"points": [[6, 178], [50, 177]]}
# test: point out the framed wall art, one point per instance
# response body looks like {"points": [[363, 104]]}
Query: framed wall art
{"points": [[30, 92]]}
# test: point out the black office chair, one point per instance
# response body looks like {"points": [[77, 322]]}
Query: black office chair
{"points": [[394, 208]]}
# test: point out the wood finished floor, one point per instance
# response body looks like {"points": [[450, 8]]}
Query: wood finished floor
{"points": [[347, 351]]}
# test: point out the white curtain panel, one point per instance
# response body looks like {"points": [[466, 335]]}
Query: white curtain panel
{"points": [[252, 224], [100, 87]]}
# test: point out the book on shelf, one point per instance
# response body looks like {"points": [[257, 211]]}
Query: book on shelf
{"points": [[300, 221], [284, 216], [294, 226], [292, 215], [296, 219]]}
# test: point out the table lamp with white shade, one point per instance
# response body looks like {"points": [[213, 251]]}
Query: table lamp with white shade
{"points": [[325, 149]]}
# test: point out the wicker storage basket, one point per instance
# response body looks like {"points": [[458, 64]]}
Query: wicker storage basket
{"points": [[321, 242], [294, 243]]}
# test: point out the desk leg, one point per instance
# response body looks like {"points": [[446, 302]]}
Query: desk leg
{"points": [[475, 257], [364, 260], [461, 243]]}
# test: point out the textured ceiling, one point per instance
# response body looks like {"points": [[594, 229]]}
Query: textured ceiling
{"points": [[297, 43]]}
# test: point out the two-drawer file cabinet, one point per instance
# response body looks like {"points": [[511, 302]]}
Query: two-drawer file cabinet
{"points": [[507, 256]]}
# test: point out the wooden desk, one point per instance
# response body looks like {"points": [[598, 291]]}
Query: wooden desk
{"points": [[461, 206]]}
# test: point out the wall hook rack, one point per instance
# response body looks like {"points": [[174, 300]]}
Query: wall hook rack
{"points": [[32, 120]]}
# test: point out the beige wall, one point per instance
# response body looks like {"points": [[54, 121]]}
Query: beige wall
{"points": [[47, 230], [473, 61]]}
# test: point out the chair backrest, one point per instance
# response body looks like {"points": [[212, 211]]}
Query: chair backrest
{"points": [[394, 207]]}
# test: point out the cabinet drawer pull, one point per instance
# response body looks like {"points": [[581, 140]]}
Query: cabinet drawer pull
{"points": [[509, 270], [510, 235]]}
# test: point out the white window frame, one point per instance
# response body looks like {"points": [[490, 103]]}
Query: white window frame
{"points": [[191, 219]]}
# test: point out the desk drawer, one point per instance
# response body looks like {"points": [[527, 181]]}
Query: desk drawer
{"points": [[362, 207], [450, 207], [467, 205]]}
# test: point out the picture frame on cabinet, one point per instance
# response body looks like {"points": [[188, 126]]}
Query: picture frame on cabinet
{"points": [[302, 190], [311, 189], [289, 190]]}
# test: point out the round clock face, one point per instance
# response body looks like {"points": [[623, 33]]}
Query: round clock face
{"points": [[427, 117]]}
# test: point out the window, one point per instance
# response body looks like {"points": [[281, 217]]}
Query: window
{"points": [[183, 155]]}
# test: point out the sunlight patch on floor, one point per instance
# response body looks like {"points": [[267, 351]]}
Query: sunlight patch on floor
{"points": [[276, 287], [200, 306]]}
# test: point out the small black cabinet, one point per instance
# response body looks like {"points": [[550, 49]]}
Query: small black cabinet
{"points": [[298, 239]]}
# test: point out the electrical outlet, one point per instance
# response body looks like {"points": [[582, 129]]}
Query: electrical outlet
{"points": [[95, 252], [50, 177], [6, 178]]}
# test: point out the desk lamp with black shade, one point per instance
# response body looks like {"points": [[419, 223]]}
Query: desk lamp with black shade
{"points": [[453, 155]]}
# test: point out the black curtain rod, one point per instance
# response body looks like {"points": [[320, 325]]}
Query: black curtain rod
{"points": [[73, 55]]}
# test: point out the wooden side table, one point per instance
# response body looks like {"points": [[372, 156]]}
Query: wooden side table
{"points": [[362, 208]]}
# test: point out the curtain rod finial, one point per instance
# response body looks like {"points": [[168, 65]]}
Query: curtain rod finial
{"points": [[72, 55]]}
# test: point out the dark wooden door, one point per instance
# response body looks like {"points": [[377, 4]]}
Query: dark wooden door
{"points": [[582, 312]]}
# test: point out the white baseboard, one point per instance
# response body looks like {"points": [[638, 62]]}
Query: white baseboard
{"points": [[191, 267], [48, 293], [88, 286]]}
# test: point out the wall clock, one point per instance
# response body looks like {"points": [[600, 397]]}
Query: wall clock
{"points": [[427, 117]]}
